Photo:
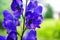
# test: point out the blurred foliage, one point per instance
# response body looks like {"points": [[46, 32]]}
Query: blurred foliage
{"points": [[1, 25], [4, 4], [49, 12], [50, 30]]}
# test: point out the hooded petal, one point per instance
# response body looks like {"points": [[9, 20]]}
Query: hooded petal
{"points": [[17, 7], [31, 35], [8, 24], [32, 4], [9, 21], [7, 15], [38, 10], [12, 35]]}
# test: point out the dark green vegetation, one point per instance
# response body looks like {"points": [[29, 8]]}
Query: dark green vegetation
{"points": [[49, 12]]}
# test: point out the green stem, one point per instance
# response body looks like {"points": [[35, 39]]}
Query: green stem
{"points": [[24, 28]]}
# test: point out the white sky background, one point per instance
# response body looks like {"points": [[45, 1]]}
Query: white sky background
{"points": [[55, 4]]}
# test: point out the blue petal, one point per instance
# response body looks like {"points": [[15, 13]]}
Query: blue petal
{"points": [[38, 10], [8, 24], [16, 5], [17, 8], [32, 5], [12, 35], [31, 35], [13, 5], [2, 37], [7, 15], [16, 22]]}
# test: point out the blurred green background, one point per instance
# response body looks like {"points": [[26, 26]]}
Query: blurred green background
{"points": [[50, 27]]}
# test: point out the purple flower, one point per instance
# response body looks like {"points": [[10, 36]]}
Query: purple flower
{"points": [[31, 35], [2, 37], [9, 21], [38, 10], [7, 15], [33, 16], [33, 4], [12, 35], [17, 7], [32, 19]]}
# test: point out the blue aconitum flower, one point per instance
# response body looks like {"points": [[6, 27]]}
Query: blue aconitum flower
{"points": [[7, 15], [32, 19], [32, 4], [12, 35], [31, 35], [33, 16], [10, 24], [2, 37], [17, 8], [9, 21]]}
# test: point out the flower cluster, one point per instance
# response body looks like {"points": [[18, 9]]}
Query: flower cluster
{"points": [[17, 8], [33, 15], [32, 19]]}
